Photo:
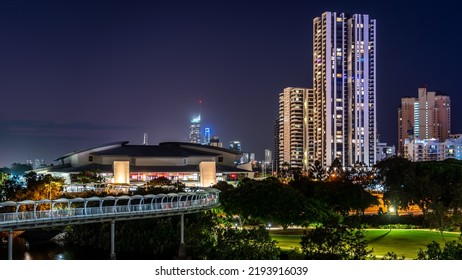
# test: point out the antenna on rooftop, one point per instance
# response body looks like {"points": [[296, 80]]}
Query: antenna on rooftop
{"points": [[145, 138]]}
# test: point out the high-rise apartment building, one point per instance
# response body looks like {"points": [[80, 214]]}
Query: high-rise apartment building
{"points": [[195, 130], [291, 127], [344, 84], [432, 149], [426, 117]]}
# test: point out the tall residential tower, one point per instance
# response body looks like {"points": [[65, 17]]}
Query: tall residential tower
{"points": [[291, 127], [344, 84]]}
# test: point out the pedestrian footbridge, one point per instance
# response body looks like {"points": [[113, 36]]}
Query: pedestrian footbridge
{"points": [[30, 214]]}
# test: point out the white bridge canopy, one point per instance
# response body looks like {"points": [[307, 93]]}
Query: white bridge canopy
{"points": [[78, 210]]}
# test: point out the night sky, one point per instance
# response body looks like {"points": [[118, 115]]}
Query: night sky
{"points": [[76, 74]]}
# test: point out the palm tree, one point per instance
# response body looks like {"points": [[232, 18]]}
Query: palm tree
{"points": [[317, 171]]}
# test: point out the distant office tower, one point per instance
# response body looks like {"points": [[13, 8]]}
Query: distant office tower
{"points": [[426, 117], [384, 151], [145, 138], [245, 158], [37, 163], [251, 157], [195, 130], [235, 146], [291, 136], [344, 84], [268, 156], [207, 136]]}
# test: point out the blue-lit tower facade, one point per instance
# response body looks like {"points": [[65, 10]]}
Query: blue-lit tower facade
{"points": [[207, 136]]}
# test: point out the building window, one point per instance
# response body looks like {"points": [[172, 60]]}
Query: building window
{"points": [[90, 158], [220, 159]]}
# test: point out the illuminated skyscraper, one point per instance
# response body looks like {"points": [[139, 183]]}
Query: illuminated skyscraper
{"points": [[426, 117], [207, 136], [344, 84], [268, 156], [195, 130], [291, 127]]}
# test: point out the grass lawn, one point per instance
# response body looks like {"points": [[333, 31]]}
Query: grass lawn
{"points": [[287, 239], [403, 242]]}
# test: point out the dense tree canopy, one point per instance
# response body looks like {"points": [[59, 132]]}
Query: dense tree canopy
{"points": [[341, 196], [159, 238], [434, 186], [335, 243], [160, 181], [271, 201], [93, 176], [39, 187], [10, 185], [452, 250]]}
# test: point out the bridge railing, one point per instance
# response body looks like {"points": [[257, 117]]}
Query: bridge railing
{"points": [[134, 204]]}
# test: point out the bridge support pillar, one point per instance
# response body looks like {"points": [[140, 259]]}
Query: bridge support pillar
{"points": [[10, 244], [182, 250], [113, 255]]}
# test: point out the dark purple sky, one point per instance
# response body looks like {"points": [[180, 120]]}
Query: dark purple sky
{"points": [[80, 73]]}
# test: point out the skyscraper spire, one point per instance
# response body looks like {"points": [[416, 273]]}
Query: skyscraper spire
{"points": [[145, 138]]}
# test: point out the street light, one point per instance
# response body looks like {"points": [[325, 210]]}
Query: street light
{"points": [[390, 212]]}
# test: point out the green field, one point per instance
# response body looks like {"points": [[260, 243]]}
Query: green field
{"points": [[403, 242]]}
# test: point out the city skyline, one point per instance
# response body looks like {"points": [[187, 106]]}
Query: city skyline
{"points": [[85, 73]]}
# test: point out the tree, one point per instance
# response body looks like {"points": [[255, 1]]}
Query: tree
{"points": [[452, 250], [206, 238], [92, 176], [243, 244], [10, 187], [271, 201], [40, 186], [340, 196], [397, 176], [438, 192], [20, 169], [335, 243], [335, 171], [343, 197], [317, 172], [435, 186], [3, 177], [392, 256], [159, 182]]}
